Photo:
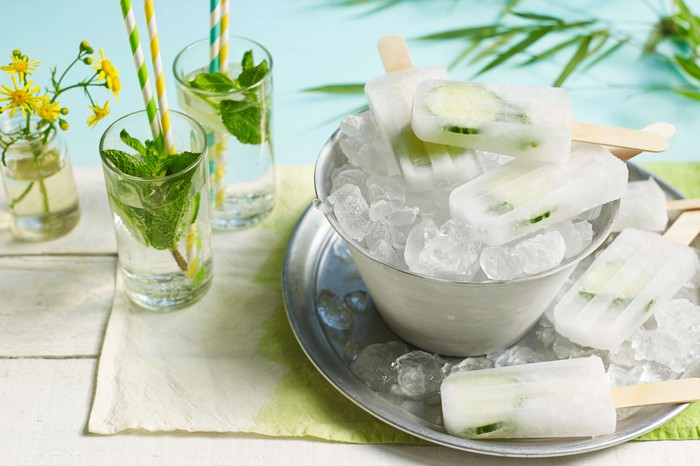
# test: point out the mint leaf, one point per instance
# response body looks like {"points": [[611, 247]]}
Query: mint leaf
{"points": [[177, 162], [243, 119], [247, 62], [253, 75], [213, 82], [126, 163], [132, 142]]}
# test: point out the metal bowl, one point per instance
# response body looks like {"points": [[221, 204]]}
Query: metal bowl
{"points": [[448, 317]]}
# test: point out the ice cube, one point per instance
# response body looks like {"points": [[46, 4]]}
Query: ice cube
{"points": [[350, 350], [348, 175], [402, 215], [341, 251], [356, 300], [541, 252], [384, 252], [500, 263], [472, 364], [380, 209], [385, 188], [419, 374], [351, 211], [379, 231], [576, 235], [449, 252], [333, 312], [643, 206], [373, 366]]}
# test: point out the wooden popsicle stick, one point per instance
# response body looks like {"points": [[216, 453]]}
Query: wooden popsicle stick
{"points": [[394, 53], [667, 130], [671, 391], [685, 228], [683, 204], [619, 137]]}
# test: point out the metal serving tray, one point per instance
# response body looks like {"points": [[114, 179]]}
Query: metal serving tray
{"points": [[311, 265]]}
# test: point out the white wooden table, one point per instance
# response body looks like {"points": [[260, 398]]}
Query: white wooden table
{"points": [[53, 312]]}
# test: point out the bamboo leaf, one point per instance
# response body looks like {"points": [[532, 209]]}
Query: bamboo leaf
{"points": [[350, 88], [689, 66], [536, 16], [463, 54], [603, 35], [508, 8], [551, 51], [463, 33], [695, 95], [517, 48], [580, 55], [605, 54], [691, 19], [493, 46]]}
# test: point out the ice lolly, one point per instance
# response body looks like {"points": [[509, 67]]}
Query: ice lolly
{"points": [[523, 195], [621, 289], [523, 121], [566, 398], [423, 165]]}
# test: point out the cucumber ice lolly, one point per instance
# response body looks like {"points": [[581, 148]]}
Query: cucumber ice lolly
{"points": [[423, 165], [524, 196], [567, 398], [636, 273], [532, 122]]}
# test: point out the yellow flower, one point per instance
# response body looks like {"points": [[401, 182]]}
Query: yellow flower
{"points": [[48, 110], [23, 66], [108, 73], [99, 113], [19, 98]]}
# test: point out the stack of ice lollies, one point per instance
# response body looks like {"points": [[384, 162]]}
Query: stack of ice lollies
{"points": [[433, 126]]}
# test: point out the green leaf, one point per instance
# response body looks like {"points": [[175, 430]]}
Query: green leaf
{"points": [[464, 53], [517, 48], [132, 142], [689, 66], [243, 119], [606, 54], [695, 95], [691, 19], [350, 88], [551, 51], [495, 45], [213, 82], [250, 76], [463, 33], [536, 16], [126, 163], [247, 62], [580, 55], [175, 163]]}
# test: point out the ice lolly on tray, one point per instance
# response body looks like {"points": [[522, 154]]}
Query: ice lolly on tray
{"points": [[523, 195], [637, 272], [565, 398], [423, 165], [523, 121]]}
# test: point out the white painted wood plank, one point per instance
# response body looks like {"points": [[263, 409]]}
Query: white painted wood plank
{"points": [[54, 306], [44, 407], [94, 233]]}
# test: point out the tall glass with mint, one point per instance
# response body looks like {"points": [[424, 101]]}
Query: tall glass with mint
{"points": [[235, 108], [160, 204]]}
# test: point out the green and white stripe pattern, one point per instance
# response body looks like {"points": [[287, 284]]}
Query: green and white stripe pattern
{"points": [[214, 24], [142, 72]]}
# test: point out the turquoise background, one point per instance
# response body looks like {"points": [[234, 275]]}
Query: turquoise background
{"points": [[317, 42]]}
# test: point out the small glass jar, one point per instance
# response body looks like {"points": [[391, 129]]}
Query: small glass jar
{"points": [[38, 180]]}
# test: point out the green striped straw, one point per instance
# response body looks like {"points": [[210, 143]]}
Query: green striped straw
{"points": [[142, 72], [214, 22]]}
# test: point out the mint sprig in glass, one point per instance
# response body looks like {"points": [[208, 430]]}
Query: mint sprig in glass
{"points": [[235, 108], [160, 205]]}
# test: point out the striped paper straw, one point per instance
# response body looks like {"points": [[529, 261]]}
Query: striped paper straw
{"points": [[223, 37], [159, 76], [214, 17], [142, 72]]}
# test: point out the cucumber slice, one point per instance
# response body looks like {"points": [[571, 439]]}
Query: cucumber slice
{"points": [[471, 101]]}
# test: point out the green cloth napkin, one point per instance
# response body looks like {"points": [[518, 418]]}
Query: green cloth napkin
{"points": [[307, 397]]}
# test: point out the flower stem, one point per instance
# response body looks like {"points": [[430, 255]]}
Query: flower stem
{"points": [[44, 196], [19, 198], [181, 262]]}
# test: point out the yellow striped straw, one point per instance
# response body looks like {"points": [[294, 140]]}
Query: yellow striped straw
{"points": [[223, 37], [159, 75]]}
